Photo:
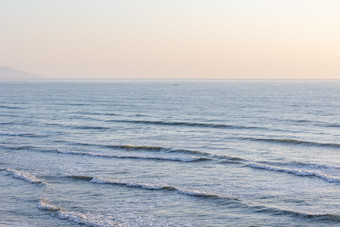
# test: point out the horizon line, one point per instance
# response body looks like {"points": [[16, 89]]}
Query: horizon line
{"points": [[171, 79]]}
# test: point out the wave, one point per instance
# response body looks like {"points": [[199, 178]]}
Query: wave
{"points": [[44, 205], [298, 172], [326, 217], [229, 158], [302, 121], [333, 125], [171, 150], [98, 114], [190, 124], [80, 127], [28, 177], [295, 142], [100, 155], [89, 127], [129, 147], [154, 149], [180, 159], [302, 164], [72, 104], [18, 148], [204, 194], [11, 107], [8, 123], [318, 123], [161, 150], [153, 187], [22, 134], [128, 184], [76, 177], [76, 217]]}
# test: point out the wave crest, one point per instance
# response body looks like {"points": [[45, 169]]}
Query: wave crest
{"points": [[159, 149], [326, 217], [298, 172], [99, 180], [179, 159], [76, 217], [28, 177], [295, 142], [189, 124]]}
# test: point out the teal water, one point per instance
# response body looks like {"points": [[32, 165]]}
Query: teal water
{"points": [[183, 153]]}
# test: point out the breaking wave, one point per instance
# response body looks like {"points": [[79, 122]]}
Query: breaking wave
{"points": [[28, 177], [298, 172], [76, 217], [179, 159], [298, 164], [326, 217]]}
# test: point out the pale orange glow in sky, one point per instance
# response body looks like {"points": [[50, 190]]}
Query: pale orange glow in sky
{"points": [[222, 39]]}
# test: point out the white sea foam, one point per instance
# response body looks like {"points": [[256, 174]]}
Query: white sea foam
{"points": [[203, 194], [298, 172], [104, 181], [44, 205], [316, 216], [87, 220], [195, 193], [77, 217], [92, 154], [24, 176]]}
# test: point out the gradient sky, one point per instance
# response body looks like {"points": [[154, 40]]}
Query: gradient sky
{"points": [[223, 39]]}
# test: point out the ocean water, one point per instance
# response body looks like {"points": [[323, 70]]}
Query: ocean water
{"points": [[170, 153]]}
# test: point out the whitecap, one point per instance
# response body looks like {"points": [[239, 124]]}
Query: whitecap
{"points": [[298, 172], [77, 217], [26, 176]]}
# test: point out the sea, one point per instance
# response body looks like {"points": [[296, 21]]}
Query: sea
{"points": [[170, 153]]}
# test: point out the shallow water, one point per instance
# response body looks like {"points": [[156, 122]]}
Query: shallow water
{"points": [[188, 153]]}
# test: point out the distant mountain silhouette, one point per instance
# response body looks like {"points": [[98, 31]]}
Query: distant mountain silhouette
{"points": [[9, 73]]}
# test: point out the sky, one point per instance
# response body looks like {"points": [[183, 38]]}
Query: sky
{"points": [[172, 39]]}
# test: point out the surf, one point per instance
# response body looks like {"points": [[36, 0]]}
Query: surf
{"points": [[23, 175], [297, 172]]}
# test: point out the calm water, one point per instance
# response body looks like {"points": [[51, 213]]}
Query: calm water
{"points": [[223, 153]]}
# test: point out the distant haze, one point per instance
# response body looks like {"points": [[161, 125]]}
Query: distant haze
{"points": [[9, 73], [222, 39]]}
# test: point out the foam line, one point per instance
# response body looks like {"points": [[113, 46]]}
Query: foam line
{"points": [[298, 172], [180, 159], [326, 217], [76, 217], [28, 177]]}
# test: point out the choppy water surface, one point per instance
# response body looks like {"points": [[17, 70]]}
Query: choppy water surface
{"points": [[204, 153]]}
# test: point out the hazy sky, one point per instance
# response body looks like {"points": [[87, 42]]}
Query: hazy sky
{"points": [[229, 39]]}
